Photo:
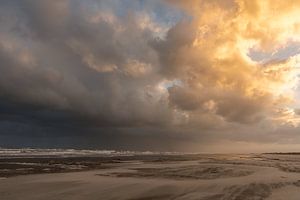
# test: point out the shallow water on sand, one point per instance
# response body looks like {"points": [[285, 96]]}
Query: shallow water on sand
{"points": [[144, 177]]}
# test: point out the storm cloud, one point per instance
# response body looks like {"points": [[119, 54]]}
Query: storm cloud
{"points": [[169, 71]]}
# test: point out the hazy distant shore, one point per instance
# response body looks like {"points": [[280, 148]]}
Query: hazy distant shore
{"points": [[15, 162]]}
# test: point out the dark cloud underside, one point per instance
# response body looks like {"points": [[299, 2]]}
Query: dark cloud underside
{"points": [[146, 74]]}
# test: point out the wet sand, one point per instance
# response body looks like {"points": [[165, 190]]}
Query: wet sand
{"points": [[145, 177]]}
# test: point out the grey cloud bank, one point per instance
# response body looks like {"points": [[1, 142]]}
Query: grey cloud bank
{"points": [[135, 75]]}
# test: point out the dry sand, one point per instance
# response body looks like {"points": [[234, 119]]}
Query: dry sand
{"points": [[203, 177]]}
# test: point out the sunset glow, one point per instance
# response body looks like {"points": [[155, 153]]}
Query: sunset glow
{"points": [[193, 73]]}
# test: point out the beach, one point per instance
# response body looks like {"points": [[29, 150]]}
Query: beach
{"points": [[143, 177]]}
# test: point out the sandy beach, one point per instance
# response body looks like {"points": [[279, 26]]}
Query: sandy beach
{"points": [[149, 99], [203, 177]]}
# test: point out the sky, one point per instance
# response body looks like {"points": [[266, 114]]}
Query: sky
{"points": [[157, 75]]}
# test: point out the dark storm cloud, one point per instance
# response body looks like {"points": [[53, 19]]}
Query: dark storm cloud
{"points": [[137, 71], [65, 57]]}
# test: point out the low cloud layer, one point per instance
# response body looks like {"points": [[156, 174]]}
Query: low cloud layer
{"points": [[171, 69]]}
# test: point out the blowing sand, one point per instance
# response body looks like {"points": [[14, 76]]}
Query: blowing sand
{"points": [[201, 177]]}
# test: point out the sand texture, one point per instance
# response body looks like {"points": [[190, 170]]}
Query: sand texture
{"points": [[147, 177]]}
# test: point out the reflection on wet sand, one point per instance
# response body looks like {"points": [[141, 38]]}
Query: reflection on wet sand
{"points": [[151, 176]]}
